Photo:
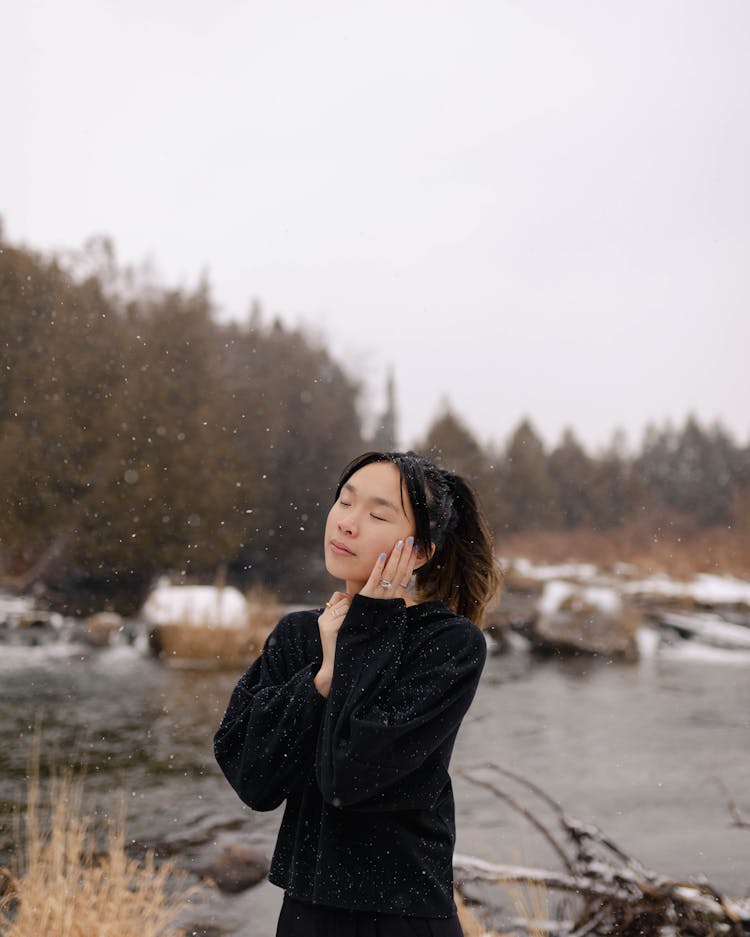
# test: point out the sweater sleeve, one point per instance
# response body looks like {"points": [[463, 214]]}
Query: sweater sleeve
{"points": [[266, 740], [394, 707]]}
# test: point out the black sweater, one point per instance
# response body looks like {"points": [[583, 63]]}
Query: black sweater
{"points": [[369, 818]]}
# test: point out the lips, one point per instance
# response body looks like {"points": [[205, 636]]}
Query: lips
{"points": [[339, 549]]}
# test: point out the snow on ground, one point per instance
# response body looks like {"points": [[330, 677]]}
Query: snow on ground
{"points": [[199, 606], [706, 588], [531, 570], [17, 609], [14, 605]]}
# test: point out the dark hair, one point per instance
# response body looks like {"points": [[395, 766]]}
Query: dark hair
{"points": [[462, 571]]}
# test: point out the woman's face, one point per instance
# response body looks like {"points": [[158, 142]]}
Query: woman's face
{"points": [[367, 520]]}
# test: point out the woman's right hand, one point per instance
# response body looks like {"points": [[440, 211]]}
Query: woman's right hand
{"points": [[329, 622]]}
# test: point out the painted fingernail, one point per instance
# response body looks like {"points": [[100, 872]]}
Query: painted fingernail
{"points": [[410, 541], [382, 557], [399, 544]]}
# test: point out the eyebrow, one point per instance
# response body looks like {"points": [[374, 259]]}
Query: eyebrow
{"points": [[383, 502]]}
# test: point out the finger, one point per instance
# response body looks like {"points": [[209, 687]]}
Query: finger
{"points": [[336, 597], [389, 577], [342, 604], [405, 565], [336, 607], [372, 586], [394, 560], [406, 568]]}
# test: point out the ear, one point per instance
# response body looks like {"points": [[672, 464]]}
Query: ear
{"points": [[422, 559]]}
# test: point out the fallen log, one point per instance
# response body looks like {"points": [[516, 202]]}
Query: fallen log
{"points": [[611, 894]]}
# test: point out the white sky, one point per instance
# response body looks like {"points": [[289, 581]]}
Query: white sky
{"points": [[530, 208]]}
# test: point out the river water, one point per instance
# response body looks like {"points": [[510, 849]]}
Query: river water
{"points": [[646, 751]]}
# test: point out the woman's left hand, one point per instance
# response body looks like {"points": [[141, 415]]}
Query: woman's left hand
{"points": [[390, 575]]}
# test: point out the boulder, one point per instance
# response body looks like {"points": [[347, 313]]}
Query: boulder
{"points": [[236, 867], [577, 619], [99, 628]]}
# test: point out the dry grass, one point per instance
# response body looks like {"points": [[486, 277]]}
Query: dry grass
{"points": [[661, 545], [207, 646], [531, 904], [62, 885], [470, 924], [213, 646]]}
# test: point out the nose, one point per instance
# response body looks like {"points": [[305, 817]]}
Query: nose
{"points": [[346, 527], [347, 524]]}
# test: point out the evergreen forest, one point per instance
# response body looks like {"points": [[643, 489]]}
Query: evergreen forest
{"points": [[140, 434]]}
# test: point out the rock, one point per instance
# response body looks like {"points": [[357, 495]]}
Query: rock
{"points": [[585, 619], [99, 628], [236, 867], [515, 610], [38, 619]]}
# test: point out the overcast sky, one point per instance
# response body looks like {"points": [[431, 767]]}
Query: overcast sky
{"points": [[531, 209]]}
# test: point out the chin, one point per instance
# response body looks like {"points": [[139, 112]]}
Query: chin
{"points": [[347, 571], [338, 567]]}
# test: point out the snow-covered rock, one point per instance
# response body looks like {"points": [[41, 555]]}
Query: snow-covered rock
{"points": [[708, 628], [586, 619], [557, 595]]}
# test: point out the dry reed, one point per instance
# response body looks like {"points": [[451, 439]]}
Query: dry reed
{"points": [[531, 904], [61, 884], [669, 547]]}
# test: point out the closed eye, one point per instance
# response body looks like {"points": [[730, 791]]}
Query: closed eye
{"points": [[375, 517]]}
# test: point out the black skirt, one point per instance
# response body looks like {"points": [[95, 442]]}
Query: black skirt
{"points": [[303, 919]]}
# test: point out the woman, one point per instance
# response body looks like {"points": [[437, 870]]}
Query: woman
{"points": [[351, 711]]}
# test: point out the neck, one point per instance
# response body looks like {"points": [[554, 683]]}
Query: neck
{"points": [[352, 588]]}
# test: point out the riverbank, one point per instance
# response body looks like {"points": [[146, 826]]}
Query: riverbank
{"points": [[678, 550], [646, 750]]}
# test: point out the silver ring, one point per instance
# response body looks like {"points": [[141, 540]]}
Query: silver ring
{"points": [[385, 583]]}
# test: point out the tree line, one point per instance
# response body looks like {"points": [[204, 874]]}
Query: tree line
{"points": [[139, 434], [690, 476]]}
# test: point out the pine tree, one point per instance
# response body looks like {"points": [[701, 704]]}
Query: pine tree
{"points": [[573, 474], [385, 437], [528, 486], [450, 443]]}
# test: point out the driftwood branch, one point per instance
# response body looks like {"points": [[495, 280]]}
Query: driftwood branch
{"points": [[734, 811], [527, 814], [615, 895]]}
